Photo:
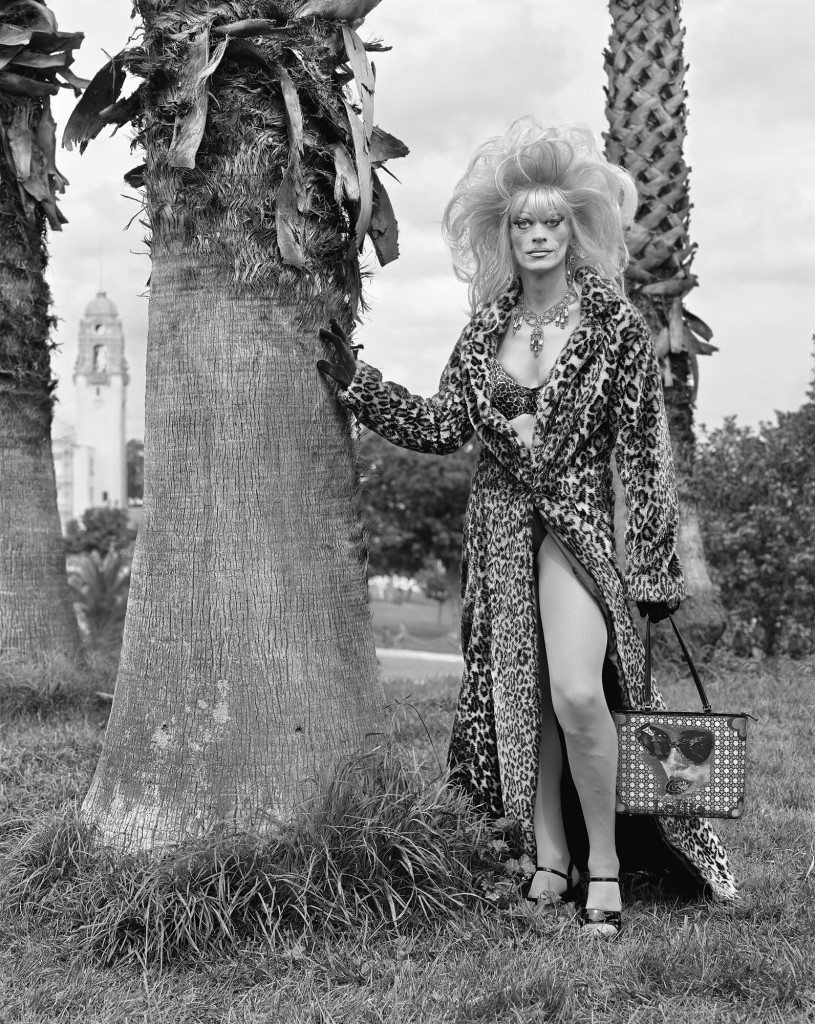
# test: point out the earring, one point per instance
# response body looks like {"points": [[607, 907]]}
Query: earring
{"points": [[573, 255], [571, 264]]}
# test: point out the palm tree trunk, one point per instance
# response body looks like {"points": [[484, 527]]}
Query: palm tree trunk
{"points": [[37, 619], [646, 114], [248, 668], [248, 664]]}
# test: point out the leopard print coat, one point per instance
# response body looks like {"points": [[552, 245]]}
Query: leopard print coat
{"points": [[604, 393]]}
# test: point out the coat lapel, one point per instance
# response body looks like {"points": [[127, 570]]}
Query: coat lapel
{"points": [[598, 304], [482, 336]]}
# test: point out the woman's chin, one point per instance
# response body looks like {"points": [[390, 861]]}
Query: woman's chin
{"points": [[542, 268]]}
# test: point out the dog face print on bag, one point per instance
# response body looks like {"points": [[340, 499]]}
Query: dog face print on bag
{"points": [[683, 755]]}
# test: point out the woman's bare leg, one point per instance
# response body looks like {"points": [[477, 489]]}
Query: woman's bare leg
{"points": [[550, 838], [575, 635]]}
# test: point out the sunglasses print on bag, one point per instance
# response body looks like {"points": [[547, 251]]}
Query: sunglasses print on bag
{"points": [[683, 757]]}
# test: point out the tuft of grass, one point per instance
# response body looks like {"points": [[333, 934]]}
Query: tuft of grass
{"points": [[382, 846], [56, 684]]}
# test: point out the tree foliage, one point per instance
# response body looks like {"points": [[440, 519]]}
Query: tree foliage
{"points": [[413, 505], [99, 529], [757, 501]]}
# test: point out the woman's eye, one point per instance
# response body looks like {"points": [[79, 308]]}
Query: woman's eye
{"points": [[522, 224], [554, 222]]}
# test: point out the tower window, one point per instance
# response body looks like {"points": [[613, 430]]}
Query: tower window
{"points": [[97, 392], [100, 358]]}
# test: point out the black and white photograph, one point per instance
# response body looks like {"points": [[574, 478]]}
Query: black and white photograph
{"points": [[407, 511]]}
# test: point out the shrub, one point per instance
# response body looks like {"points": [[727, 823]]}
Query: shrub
{"points": [[413, 505], [99, 529], [101, 585], [756, 495]]}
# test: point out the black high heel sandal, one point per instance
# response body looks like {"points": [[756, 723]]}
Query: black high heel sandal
{"points": [[600, 922], [569, 895]]}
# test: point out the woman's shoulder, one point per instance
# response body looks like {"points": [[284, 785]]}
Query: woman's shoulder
{"points": [[494, 314], [599, 299], [602, 300]]}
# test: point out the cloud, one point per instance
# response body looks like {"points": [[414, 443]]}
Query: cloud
{"points": [[463, 70]]}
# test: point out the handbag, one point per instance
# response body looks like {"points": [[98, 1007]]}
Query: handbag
{"points": [[680, 763]]}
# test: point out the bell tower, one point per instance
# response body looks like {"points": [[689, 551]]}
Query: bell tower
{"points": [[100, 378]]}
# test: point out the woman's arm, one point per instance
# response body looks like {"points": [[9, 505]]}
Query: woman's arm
{"points": [[437, 425], [653, 572]]}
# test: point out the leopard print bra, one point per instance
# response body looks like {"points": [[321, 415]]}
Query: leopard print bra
{"points": [[509, 397]]}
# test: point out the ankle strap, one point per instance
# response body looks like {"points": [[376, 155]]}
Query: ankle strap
{"points": [[593, 878], [553, 871]]}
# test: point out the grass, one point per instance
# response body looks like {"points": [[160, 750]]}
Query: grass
{"points": [[380, 848], [417, 624], [54, 684], [694, 962]]}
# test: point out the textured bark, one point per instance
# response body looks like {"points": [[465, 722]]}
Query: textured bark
{"points": [[248, 665], [36, 611], [647, 126]]}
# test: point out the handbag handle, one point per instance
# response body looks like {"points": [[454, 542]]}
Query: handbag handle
{"points": [[702, 695]]}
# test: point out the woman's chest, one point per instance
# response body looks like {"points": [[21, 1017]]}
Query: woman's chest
{"points": [[572, 397], [529, 360]]}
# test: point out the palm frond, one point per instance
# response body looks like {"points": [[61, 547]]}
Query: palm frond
{"points": [[35, 59], [259, 157]]}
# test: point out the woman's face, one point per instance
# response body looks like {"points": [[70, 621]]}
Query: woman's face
{"points": [[539, 242]]}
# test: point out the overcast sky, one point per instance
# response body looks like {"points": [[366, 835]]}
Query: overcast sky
{"points": [[460, 72]]}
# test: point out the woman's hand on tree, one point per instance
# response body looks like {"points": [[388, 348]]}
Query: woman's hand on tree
{"points": [[343, 370], [656, 610]]}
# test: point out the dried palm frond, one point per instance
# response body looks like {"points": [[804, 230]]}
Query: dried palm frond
{"points": [[34, 65], [35, 58], [258, 156], [353, 11]]}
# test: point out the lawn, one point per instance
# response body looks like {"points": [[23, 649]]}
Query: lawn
{"points": [[676, 961], [417, 624]]}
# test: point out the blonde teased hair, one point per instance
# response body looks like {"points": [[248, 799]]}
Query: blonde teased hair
{"points": [[556, 169]]}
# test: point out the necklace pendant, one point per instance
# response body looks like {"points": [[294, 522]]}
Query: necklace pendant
{"points": [[517, 319], [536, 341]]}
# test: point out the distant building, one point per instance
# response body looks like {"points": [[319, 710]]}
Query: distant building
{"points": [[89, 456]]}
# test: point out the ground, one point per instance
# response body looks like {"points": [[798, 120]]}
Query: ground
{"points": [[691, 962]]}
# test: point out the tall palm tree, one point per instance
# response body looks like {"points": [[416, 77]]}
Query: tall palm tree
{"points": [[646, 114], [36, 613], [248, 666]]}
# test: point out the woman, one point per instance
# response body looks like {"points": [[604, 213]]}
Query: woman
{"points": [[554, 371]]}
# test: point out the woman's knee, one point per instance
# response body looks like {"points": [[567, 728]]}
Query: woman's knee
{"points": [[579, 705]]}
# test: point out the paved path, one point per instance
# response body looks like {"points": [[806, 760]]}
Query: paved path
{"points": [[404, 652]]}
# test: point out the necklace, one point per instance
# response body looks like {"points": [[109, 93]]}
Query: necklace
{"points": [[556, 314]]}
